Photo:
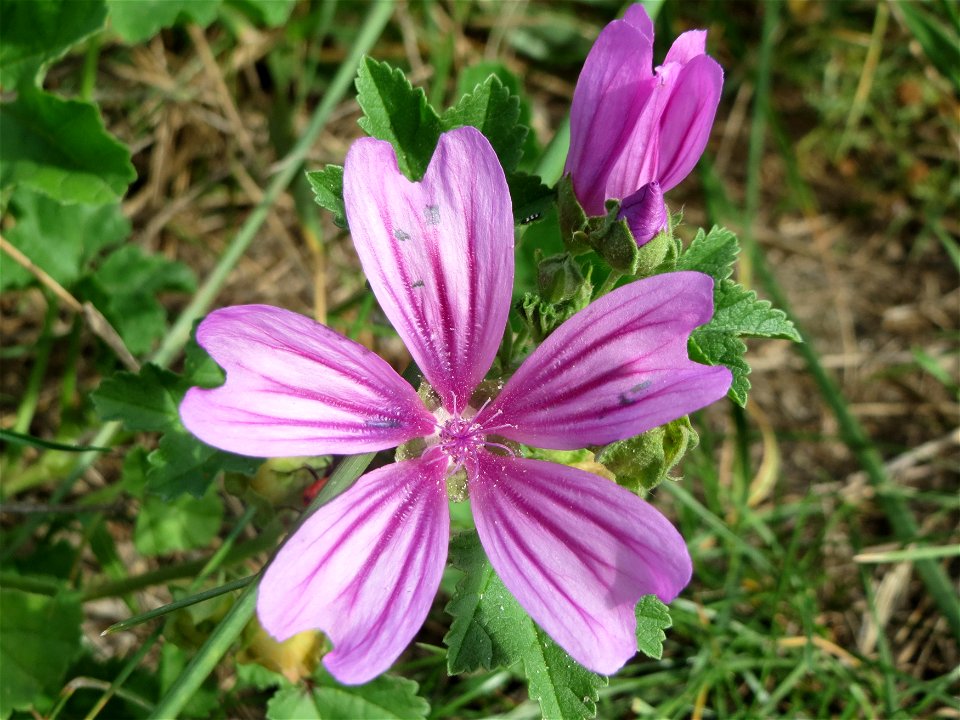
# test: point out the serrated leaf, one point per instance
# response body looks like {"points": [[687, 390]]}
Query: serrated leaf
{"points": [[713, 253], [184, 523], [39, 637], [397, 112], [327, 187], [60, 239], [34, 33], [183, 464], [137, 21], [739, 311], [144, 401], [719, 348], [494, 111], [386, 698], [491, 629], [61, 148], [653, 617]]}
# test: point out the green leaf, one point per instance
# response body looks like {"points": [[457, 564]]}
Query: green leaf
{"points": [[61, 148], [653, 617], [183, 464], [495, 112], [15, 438], [396, 112], [136, 21], [144, 401], [60, 239], [271, 13], [713, 253], [327, 187], [531, 198], [643, 462], [737, 313], [490, 629], [386, 698], [39, 637], [185, 523], [34, 33], [125, 289]]}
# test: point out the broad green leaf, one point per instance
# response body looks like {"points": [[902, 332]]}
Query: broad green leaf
{"points": [[60, 239], [36, 32], [494, 111], [490, 629], [713, 253], [399, 113], [386, 698], [477, 74], [653, 617], [737, 313], [185, 523], [61, 148], [125, 288], [531, 198], [139, 20], [144, 401], [271, 13], [327, 187], [199, 369], [39, 637], [183, 464], [643, 462]]}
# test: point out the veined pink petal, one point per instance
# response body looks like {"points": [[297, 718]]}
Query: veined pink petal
{"points": [[637, 163], [617, 368], [687, 118], [295, 387], [687, 46], [438, 253], [577, 551], [612, 91], [364, 569]]}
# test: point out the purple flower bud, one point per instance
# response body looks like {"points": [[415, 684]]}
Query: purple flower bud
{"points": [[645, 212], [630, 124]]}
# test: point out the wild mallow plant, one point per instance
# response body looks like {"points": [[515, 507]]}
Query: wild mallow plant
{"points": [[553, 406]]}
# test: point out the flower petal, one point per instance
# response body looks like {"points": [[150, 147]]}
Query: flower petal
{"points": [[688, 118], [438, 253], [577, 551], [611, 93], [687, 46], [364, 569], [645, 213], [617, 368], [295, 387]]}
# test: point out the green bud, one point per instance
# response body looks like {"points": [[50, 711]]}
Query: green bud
{"points": [[643, 462], [559, 277]]}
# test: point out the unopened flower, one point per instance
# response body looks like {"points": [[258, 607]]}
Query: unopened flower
{"points": [[633, 127], [576, 550]]}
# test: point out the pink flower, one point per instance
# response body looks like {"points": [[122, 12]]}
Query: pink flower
{"points": [[633, 128], [575, 549]]}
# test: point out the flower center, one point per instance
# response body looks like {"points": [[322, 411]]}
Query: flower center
{"points": [[461, 439]]}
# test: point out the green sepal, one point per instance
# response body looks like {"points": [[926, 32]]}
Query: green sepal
{"points": [[611, 239], [559, 277], [573, 220], [644, 461], [543, 317]]}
